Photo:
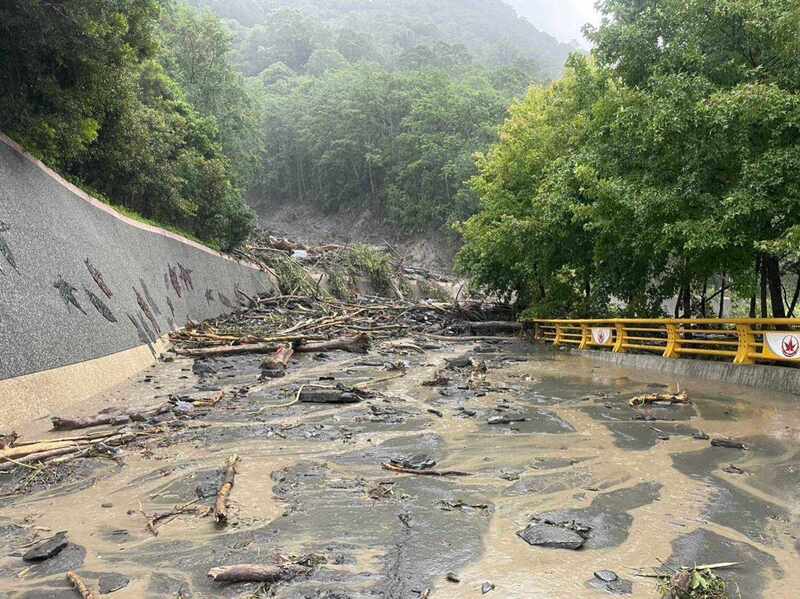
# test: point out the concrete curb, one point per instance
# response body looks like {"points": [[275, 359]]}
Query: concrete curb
{"points": [[761, 376]]}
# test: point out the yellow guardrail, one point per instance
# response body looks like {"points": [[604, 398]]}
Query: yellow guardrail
{"points": [[742, 340]]}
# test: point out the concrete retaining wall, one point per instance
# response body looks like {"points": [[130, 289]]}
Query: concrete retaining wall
{"points": [[776, 378], [80, 282]]}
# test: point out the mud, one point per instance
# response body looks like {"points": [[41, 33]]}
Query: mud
{"points": [[567, 447]]}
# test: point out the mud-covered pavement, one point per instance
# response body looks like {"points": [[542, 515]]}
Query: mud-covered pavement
{"points": [[645, 482]]}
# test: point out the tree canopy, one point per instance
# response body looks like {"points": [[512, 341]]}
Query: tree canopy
{"points": [[666, 165]]}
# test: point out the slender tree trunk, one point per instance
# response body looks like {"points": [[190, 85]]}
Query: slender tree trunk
{"points": [[795, 297], [753, 297], [764, 308], [722, 296], [687, 301], [773, 272], [678, 302], [703, 301]]}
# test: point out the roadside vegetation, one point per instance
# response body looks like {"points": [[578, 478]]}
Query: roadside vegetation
{"points": [[665, 165]]}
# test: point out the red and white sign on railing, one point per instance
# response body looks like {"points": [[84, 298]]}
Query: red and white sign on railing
{"points": [[783, 344], [602, 335]]}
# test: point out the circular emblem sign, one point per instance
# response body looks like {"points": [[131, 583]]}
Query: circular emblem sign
{"points": [[790, 346]]}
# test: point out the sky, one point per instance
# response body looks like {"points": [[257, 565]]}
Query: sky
{"points": [[562, 19]]}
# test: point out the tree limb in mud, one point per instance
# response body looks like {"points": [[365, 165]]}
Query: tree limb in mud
{"points": [[111, 418], [221, 504], [257, 573], [357, 345], [80, 585], [402, 470]]}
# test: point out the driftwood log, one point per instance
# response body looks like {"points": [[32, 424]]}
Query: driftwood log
{"points": [[428, 472], [228, 350], [110, 418], [80, 585], [221, 504], [358, 344], [257, 573], [275, 365]]}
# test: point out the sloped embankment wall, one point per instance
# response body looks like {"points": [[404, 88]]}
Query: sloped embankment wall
{"points": [[80, 282]]}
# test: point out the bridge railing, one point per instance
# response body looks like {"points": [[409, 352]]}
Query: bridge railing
{"points": [[742, 340]]}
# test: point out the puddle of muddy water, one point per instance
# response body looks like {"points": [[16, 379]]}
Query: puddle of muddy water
{"points": [[311, 482]]}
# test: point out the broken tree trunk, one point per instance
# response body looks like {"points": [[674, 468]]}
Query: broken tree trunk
{"points": [[221, 504], [228, 350], [357, 345], [25, 450], [69, 424], [275, 366], [257, 573], [79, 585]]}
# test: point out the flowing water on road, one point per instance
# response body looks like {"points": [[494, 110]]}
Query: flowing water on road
{"points": [[651, 488]]}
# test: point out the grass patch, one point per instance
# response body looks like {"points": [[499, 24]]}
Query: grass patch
{"points": [[374, 264], [693, 584]]}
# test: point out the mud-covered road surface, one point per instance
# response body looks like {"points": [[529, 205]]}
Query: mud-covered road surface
{"points": [[644, 485]]}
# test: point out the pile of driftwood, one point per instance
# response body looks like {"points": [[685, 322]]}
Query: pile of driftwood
{"points": [[284, 325]]}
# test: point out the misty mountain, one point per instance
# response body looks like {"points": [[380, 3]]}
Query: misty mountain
{"points": [[490, 30], [562, 19]]}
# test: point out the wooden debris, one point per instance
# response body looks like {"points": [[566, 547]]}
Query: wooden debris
{"points": [[672, 398], [80, 586], [221, 504], [491, 327], [728, 443], [108, 418], [228, 350], [357, 345], [429, 472], [154, 521], [257, 573], [275, 366], [440, 379], [8, 440]]}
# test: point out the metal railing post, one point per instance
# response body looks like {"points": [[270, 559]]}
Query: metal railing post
{"points": [[586, 336], [621, 337], [673, 341], [559, 333], [747, 344]]}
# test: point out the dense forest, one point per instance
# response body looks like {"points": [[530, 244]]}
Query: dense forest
{"points": [[179, 111], [666, 165]]}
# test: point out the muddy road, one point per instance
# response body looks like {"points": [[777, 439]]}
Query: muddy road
{"points": [[545, 435]]}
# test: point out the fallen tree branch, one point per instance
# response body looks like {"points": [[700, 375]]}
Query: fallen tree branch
{"points": [[228, 350], [402, 470], [275, 365], [221, 504], [80, 585], [257, 573], [357, 345]]}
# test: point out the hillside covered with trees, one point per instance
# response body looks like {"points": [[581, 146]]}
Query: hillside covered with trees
{"points": [[666, 165], [179, 111]]}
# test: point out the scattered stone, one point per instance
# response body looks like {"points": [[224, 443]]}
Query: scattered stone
{"points": [[435, 412], [505, 419], [47, 549], [451, 577], [700, 436], [416, 462], [606, 575], [183, 407], [108, 583], [733, 469], [107, 504], [487, 587], [544, 534], [510, 475]]}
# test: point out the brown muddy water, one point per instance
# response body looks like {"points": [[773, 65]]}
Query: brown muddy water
{"points": [[651, 491]]}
